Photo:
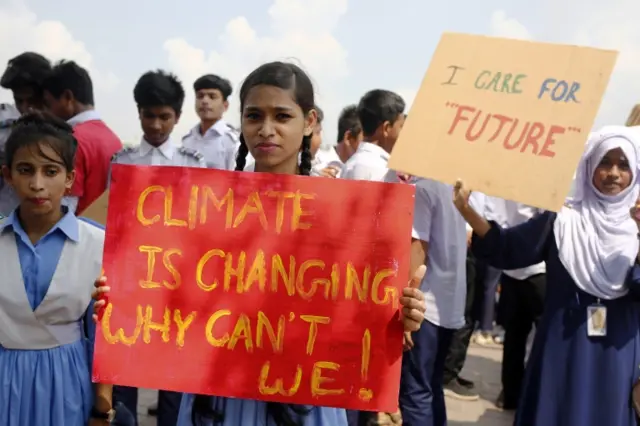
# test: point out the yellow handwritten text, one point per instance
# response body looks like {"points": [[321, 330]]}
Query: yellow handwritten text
{"points": [[146, 324], [235, 209]]}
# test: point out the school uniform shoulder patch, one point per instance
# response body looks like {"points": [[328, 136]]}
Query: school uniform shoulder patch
{"points": [[233, 133], [189, 152], [122, 152]]}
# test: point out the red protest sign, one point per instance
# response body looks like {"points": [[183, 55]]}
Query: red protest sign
{"points": [[255, 286]]}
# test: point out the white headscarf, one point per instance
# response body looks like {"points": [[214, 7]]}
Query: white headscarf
{"points": [[596, 237]]}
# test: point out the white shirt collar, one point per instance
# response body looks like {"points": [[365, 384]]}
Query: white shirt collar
{"points": [[167, 149], [219, 128], [373, 149], [82, 117]]}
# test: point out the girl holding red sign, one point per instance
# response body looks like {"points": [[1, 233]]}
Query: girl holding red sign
{"points": [[585, 358], [49, 261], [278, 119]]}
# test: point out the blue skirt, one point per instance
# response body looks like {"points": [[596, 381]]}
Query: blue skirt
{"points": [[50, 387], [254, 413]]}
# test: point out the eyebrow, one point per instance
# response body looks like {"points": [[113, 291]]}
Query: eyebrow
{"points": [[278, 108]]}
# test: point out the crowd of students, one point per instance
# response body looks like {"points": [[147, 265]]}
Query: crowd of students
{"points": [[56, 156]]}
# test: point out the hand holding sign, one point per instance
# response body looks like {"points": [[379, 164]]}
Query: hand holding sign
{"points": [[461, 196], [516, 105], [100, 298], [283, 303], [413, 306]]}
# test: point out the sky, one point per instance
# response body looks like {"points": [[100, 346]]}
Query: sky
{"points": [[347, 46]]}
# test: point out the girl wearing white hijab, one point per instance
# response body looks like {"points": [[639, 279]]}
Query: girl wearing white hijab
{"points": [[586, 354]]}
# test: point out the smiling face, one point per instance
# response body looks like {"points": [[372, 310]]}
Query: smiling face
{"points": [[613, 174], [273, 126], [39, 178]]}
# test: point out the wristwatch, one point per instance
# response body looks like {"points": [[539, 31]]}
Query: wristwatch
{"points": [[109, 416]]}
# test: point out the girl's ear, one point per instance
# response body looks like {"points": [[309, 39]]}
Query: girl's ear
{"points": [[310, 122], [71, 177]]}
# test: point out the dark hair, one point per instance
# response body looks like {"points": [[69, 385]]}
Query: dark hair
{"points": [[320, 114], [378, 106], [349, 122], [26, 69], [40, 127], [212, 81], [285, 76], [67, 75], [158, 89]]}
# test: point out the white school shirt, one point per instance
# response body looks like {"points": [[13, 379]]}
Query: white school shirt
{"points": [[509, 214], [167, 154], [437, 222], [219, 145], [326, 158], [369, 162]]}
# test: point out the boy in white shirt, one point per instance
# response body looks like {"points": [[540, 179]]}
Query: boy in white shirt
{"points": [[439, 240], [331, 161], [213, 137], [381, 115]]}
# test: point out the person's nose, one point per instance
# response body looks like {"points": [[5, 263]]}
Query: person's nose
{"points": [[37, 182], [155, 124], [267, 129]]}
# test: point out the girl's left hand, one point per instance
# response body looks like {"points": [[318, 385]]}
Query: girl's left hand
{"points": [[99, 295], [412, 301]]}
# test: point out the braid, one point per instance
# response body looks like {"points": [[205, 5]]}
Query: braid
{"points": [[305, 156], [241, 158]]}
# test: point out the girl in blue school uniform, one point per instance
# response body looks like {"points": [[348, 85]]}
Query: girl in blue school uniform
{"points": [[586, 354], [278, 118], [49, 262]]}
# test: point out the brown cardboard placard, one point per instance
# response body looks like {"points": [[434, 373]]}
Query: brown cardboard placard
{"points": [[509, 117], [97, 211], [634, 117]]}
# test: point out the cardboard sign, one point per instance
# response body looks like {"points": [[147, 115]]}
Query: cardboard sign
{"points": [[634, 117], [509, 117], [255, 286]]}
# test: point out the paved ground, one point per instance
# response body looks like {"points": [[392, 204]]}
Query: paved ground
{"points": [[483, 367]]}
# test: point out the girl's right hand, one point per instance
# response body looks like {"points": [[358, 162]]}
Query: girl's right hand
{"points": [[99, 296], [461, 196]]}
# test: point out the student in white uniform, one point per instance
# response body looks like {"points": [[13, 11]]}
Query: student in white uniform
{"points": [[522, 301], [159, 97], [49, 261], [440, 238], [213, 137], [349, 137], [381, 115]]}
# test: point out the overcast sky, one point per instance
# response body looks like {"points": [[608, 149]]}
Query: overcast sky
{"points": [[347, 46]]}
